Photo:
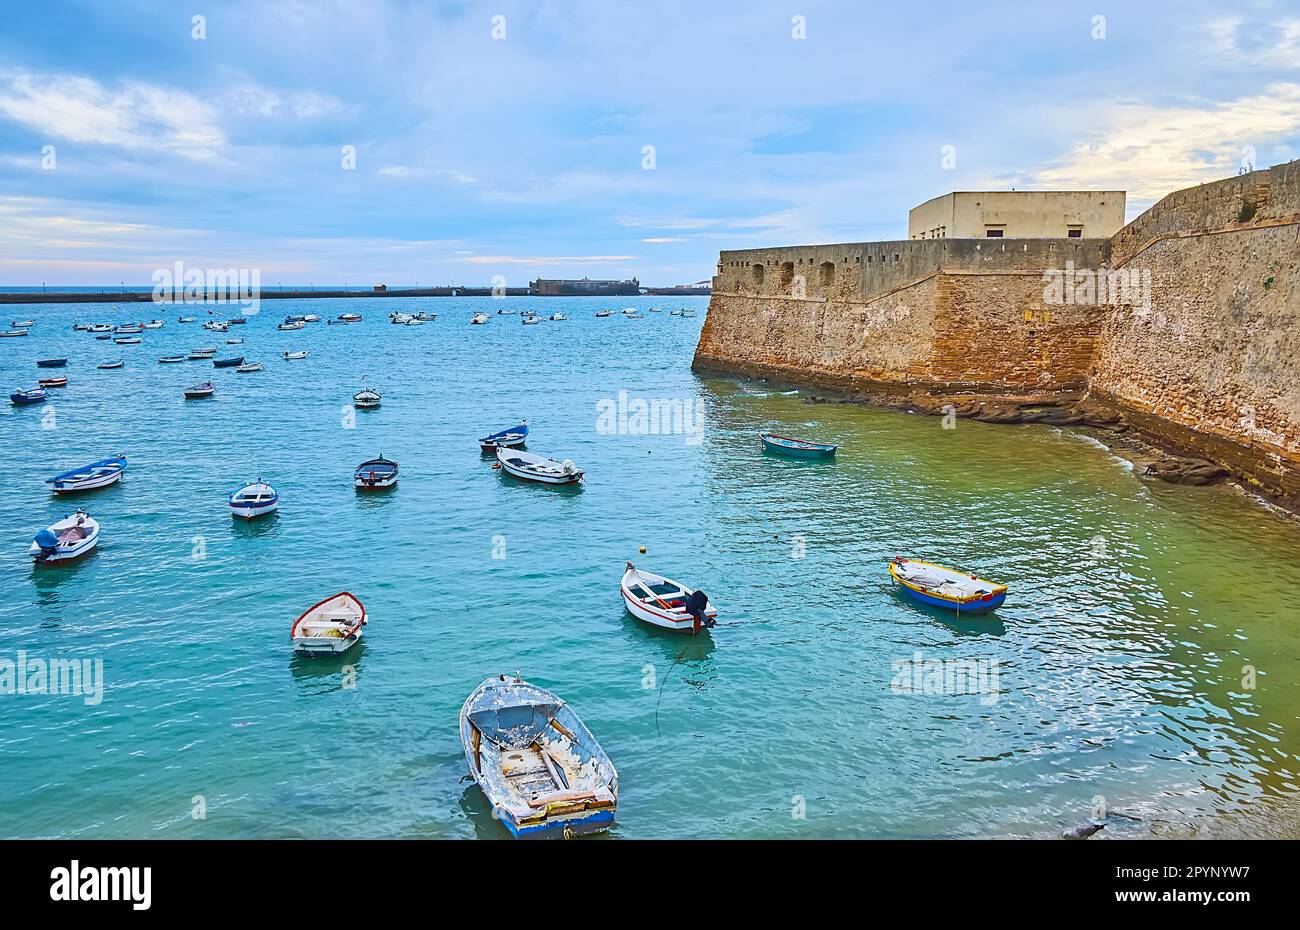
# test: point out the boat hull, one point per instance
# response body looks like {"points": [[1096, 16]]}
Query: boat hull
{"points": [[95, 475], [981, 602], [978, 607], [810, 451], [67, 553], [657, 614], [318, 646], [249, 512]]}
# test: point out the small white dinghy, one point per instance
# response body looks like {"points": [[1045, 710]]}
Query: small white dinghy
{"points": [[253, 500], [666, 603], [293, 356], [479, 319], [532, 467], [69, 538], [330, 627], [367, 398]]}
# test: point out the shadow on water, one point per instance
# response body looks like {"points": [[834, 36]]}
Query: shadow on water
{"points": [[989, 624], [375, 498], [508, 480], [47, 576], [319, 669], [265, 525]]}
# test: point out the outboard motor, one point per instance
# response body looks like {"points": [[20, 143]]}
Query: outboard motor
{"points": [[695, 605], [49, 544]]}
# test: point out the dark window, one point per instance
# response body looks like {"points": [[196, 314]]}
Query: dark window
{"points": [[993, 233], [827, 274], [1075, 233]]}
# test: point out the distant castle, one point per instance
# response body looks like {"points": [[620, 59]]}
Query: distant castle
{"points": [[583, 287]]}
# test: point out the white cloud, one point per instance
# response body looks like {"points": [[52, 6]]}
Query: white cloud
{"points": [[133, 115], [661, 239], [1256, 44], [1150, 150]]}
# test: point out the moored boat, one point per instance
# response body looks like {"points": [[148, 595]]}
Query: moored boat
{"points": [[101, 328], [52, 363], [604, 313], [89, 477], [530, 320], [557, 317], [228, 362], [13, 333], [235, 341], [310, 318], [249, 366], [665, 603], [291, 356], [22, 324], [329, 627], [367, 398], [153, 324], [200, 390], [297, 324], [399, 318], [796, 448], [375, 474], [105, 366], [171, 359], [479, 319], [66, 539], [688, 313], [30, 396], [254, 500], [539, 766], [185, 319], [350, 317], [532, 467], [944, 587], [128, 340], [511, 438], [53, 382]]}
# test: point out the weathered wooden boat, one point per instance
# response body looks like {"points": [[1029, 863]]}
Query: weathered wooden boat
{"points": [[89, 477], [511, 438], [199, 391], [375, 474], [52, 363], [228, 362], [532, 467], [53, 382], [944, 587], [666, 603], [254, 500], [106, 366], [248, 367], [796, 448], [30, 396], [367, 398], [329, 627], [171, 359], [65, 540], [544, 773], [292, 356]]}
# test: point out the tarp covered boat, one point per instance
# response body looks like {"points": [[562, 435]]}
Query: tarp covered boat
{"points": [[329, 627], [376, 474], [946, 587], [540, 768], [95, 475], [511, 438]]}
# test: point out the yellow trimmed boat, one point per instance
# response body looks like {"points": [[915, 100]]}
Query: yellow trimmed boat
{"points": [[944, 587]]}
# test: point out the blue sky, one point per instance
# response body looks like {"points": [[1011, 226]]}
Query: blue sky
{"points": [[523, 156]]}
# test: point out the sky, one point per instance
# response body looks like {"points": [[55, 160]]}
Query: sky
{"points": [[417, 143]]}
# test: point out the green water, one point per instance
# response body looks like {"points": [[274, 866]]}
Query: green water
{"points": [[1134, 611]]}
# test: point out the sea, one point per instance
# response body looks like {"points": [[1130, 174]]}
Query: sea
{"points": [[1143, 671]]}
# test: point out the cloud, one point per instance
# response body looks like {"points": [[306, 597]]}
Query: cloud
{"points": [[660, 239], [133, 115], [1256, 44], [1150, 151]]}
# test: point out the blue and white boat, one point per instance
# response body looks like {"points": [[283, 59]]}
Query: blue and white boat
{"points": [[796, 448], [375, 475], [944, 587], [254, 500], [69, 538], [538, 468], [95, 475], [511, 438], [30, 396], [538, 765]]}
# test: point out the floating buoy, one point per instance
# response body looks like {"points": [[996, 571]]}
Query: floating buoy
{"points": [[643, 550]]}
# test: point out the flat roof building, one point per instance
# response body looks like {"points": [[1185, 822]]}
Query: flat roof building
{"points": [[1018, 215]]}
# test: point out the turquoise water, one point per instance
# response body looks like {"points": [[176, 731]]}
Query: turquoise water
{"points": [[1133, 608]]}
